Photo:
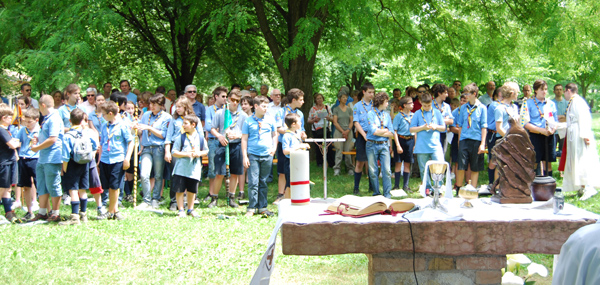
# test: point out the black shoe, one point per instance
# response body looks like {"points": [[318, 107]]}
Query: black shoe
{"points": [[207, 198], [356, 191], [213, 201], [266, 214], [231, 200]]}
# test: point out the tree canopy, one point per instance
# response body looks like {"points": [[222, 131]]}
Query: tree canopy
{"points": [[314, 45]]}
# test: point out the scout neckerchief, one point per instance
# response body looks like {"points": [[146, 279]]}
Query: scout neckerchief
{"points": [[234, 119], [407, 118], [439, 107], [192, 145], [423, 114], [470, 112], [259, 121], [569, 105], [33, 132], [46, 118], [365, 106], [151, 123], [109, 134], [538, 108], [69, 107], [379, 117], [216, 108], [294, 135]]}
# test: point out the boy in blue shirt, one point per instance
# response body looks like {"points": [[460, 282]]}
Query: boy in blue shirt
{"points": [[491, 133], [427, 123], [380, 132], [405, 142], [116, 147], [72, 92], [48, 168], [27, 158], [231, 136], [188, 165], [259, 144], [359, 116], [220, 95], [472, 123], [291, 142], [291, 104], [8, 158], [76, 176], [541, 133]]}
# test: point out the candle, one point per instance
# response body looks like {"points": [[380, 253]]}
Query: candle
{"points": [[299, 177]]}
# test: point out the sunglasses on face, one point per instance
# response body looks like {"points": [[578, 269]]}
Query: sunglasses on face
{"points": [[234, 100], [191, 91]]}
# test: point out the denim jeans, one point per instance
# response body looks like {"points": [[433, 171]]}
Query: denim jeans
{"points": [[379, 152], [152, 157], [422, 158], [260, 167], [212, 148]]}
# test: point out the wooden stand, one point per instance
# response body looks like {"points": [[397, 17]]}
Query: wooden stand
{"points": [[515, 200]]}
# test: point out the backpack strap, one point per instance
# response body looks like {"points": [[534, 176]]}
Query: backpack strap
{"points": [[183, 141]]}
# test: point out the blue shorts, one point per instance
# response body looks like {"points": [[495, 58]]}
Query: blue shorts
{"points": [[8, 174], [49, 179], [236, 166], [27, 172], [407, 151], [77, 176], [361, 148], [111, 175]]}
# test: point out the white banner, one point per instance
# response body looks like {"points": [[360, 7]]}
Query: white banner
{"points": [[262, 275]]}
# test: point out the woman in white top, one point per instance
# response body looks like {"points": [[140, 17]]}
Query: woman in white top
{"points": [[319, 116]]}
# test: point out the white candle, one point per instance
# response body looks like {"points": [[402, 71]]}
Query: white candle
{"points": [[299, 177]]}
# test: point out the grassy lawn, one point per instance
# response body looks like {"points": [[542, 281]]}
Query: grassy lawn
{"points": [[150, 248]]}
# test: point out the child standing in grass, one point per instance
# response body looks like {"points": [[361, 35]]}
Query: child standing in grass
{"points": [[405, 142], [116, 147], [27, 158], [76, 177], [188, 148], [8, 158], [259, 144]]}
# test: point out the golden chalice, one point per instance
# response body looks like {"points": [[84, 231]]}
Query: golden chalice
{"points": [[468, 193]]}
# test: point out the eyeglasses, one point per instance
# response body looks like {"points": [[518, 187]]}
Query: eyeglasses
{"points": [[191, 91], [27, 90], [424, 91], [234, 100], [276, 94], [91, 95]]}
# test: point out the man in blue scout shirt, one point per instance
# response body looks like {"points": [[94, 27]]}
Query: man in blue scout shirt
{"points": [[541, 133], [472, 123], [220, 95], [380, 133], [360, 111]]}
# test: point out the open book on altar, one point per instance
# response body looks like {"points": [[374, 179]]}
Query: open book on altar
{"points": [[354, 206]]}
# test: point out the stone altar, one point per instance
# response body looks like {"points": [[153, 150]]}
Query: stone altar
{"points": [[467, 247]]}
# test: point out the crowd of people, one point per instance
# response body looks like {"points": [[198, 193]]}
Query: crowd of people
{"points": [[62, 146]]}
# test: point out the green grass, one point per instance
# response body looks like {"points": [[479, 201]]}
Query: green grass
{"points": [[149, 248]]}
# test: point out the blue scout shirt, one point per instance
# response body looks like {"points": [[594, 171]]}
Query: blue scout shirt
{"points": [[561, 106], [478, 114], [445, 110], [289, 140], [69, 141], [503, 112], [260, 134], [210, 113], [402, 123], [25, 136], [378, 120], [280, 119], [237, 122], [359, 113], [427, 141], [536, 111], [52, 126], [175, 130], [97, 120], [160, 122], [185, 166], [132, 97], [491, 117], [114, 139], [65, 114]]}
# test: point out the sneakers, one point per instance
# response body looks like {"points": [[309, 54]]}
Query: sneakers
{"points": [[266, 214], [73, 221], [181, 214], [102, 214], [83, 217], [154, 204], [28, 216], [231, 200], [117, 216], [193, 214], [12, 217], [16, 205], [54, 218], [249, 214], [39, 217], [279, 198], [129, 198], [207, 198], [240, 195], [173, 207], [213, 201], [406, 189], [143, 205], [66, 199], [336, 172]]}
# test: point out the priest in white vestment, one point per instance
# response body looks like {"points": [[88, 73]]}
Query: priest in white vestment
{"points": [[579, 259], [581, 164]]}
